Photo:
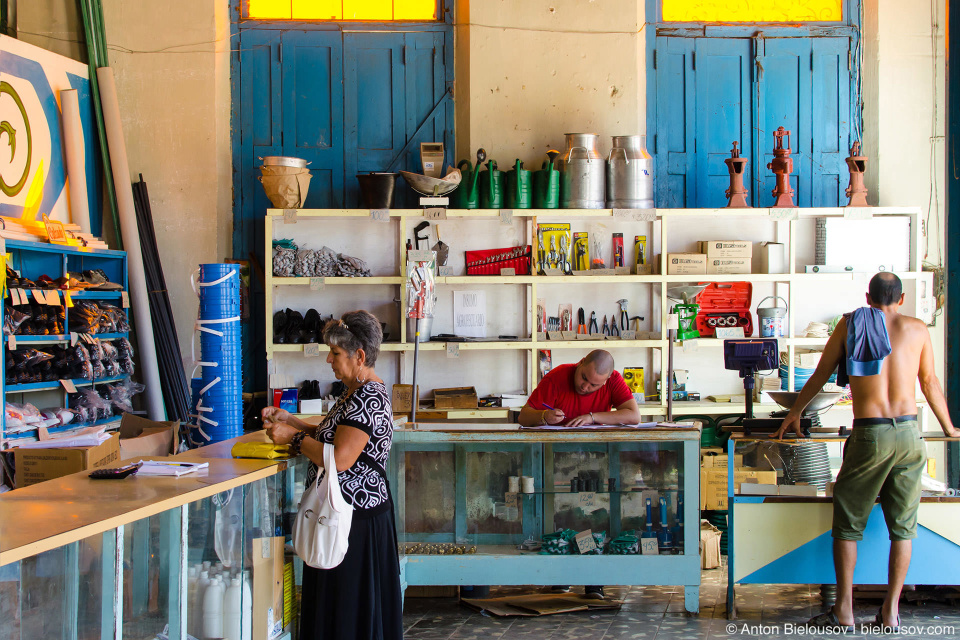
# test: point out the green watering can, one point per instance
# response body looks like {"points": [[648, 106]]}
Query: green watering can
{"points": [[467, 195], [546, 184], [491, 187], [518, 187]]}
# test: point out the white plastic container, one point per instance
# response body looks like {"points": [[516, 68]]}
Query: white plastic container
{"points": [[213, 611], [231, 610], [195, 615]]}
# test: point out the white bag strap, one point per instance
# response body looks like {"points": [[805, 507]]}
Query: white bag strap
{"points": [[333, 482]]}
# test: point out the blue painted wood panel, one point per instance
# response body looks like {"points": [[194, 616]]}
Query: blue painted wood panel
{"points": [[723, 82], [832, 81], [676, 131], [313, 111]]}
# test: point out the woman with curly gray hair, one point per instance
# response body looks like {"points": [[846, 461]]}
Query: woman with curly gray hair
{"points": [[360, 598]]}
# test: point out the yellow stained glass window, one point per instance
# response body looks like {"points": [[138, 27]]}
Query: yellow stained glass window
{"points": [[752, 10], [378, 10]]}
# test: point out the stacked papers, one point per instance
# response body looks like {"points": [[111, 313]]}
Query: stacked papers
{"points": [[169, 467], [89, 437]]}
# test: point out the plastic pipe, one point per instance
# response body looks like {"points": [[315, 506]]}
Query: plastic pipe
{"points": [[73, 146], [140, 300]]}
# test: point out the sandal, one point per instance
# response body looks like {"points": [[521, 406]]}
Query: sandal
{"points": [[878, 622], [829, 620]]}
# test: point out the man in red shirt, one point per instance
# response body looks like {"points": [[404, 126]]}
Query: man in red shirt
{"points": [[589, 392]]}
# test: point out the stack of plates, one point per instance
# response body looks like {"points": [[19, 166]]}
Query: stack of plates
{"points": [[807, 463]]}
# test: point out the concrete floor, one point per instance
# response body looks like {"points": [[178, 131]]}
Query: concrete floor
{"points": [[654, 613]]}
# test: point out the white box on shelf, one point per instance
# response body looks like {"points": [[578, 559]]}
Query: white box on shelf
{"points": [[772, 258], [881, 243]]}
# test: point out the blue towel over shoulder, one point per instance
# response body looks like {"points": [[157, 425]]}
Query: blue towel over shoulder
{"points": [[868, 344]]}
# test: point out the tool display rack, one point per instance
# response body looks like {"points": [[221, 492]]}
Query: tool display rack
{"points": [[663, 222], [31, 260], [437, 510]]}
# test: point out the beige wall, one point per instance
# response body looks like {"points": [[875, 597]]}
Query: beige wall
{"points": [[172, 67]]}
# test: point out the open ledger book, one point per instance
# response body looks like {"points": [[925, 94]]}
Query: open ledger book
{"points": [[169, 467]]}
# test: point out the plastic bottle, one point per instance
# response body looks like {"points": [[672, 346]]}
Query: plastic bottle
{"points": [[231, 610], [193, 580], [246, 622], [213, 610], [195, 614]]}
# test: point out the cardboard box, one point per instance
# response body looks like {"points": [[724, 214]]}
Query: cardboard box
{"points": [[402, 400], [40, 465], [267, 577], [773, 258], [713, 484], [736, 266], [719, 460], [142, 438], [686, 264], [709, 545], [726, 248], [801, 490], [749, 488], [455, 398]]}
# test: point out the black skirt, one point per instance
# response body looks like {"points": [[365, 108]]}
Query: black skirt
{"points": [[360, 599]]}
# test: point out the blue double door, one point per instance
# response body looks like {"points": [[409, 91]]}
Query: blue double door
{"points": [[711, 92]]}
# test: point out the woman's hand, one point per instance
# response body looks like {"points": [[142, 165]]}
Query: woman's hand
{"points": [[274, 414], [280, 432]]}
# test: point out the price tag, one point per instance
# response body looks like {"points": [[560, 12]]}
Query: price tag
{"points": [[691, 345], [435, 213], [317, 284], [444, 271], [42, 434], [628, 335], [506, 216], [729, 333], [311, 350], [649, 547], [585, 541], [512, 499], [637, 215], [380, 215], [453, 349], [73, 339], [68, 386], [588, 499], [3, 246], [785, 213], [554, 335], [289, 216], [39, 296], [12, 342], [508, 271], [53, 298], [15, 297], [857, 213], [125, 299], [673, 321]]}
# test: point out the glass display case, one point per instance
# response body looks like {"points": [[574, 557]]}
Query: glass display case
{"points": [[477, 503]]}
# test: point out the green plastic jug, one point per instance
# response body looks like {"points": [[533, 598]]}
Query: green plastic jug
{"points": [[491, 187], [466, 195], [518, 187], [546, 184]]}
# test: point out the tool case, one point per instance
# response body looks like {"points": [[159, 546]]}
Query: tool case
{"points": [[725, 304], [489, 262]]}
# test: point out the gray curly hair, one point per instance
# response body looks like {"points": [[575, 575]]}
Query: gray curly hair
{"points": [[355, 330]]}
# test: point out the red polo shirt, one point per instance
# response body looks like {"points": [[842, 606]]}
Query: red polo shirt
{"points": [[557, 390]]}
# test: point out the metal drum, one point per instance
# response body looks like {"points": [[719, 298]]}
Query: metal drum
{"points": [[582, 181], [629, 174]]}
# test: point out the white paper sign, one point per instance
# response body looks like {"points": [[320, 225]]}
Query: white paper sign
{"points": [[649, 546], [470, 314]]}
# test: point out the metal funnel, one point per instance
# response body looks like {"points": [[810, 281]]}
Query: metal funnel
{"points": [[685, 294]]}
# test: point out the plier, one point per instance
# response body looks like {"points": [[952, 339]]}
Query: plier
{"points": [[614, 329], [581, 322], [593, 323], [606, 328]]}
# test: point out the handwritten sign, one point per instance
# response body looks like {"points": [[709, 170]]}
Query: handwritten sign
{"points": [[585, 541], [435, 213], [470, 314], [785, 213], [638, 215], [317, 284], [311, 350], [588, 500], [453, 349], [649, 547], [380, 215], [289, 216], [506, 216]]}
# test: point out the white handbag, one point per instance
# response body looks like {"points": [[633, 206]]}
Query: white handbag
{"points": [[321, 534]]}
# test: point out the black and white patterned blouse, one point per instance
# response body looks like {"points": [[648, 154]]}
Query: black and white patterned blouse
{"points": [[367, 409]]}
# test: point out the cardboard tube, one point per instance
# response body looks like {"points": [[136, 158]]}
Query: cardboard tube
{"points": [[137, 281], [74, 152]]}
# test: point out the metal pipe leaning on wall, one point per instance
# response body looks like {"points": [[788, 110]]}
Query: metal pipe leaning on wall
{"points": [[140, 300], [74, 151]]}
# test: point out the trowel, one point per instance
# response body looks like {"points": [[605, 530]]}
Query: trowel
{"points": [[442, 249]]}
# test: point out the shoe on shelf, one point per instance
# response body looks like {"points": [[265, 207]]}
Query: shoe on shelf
{"points": [[294, 323], [311, 327], [560, 588], [594, 592], [279, 324]]}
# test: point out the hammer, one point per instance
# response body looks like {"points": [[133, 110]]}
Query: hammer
{"points": [[636, 322]]}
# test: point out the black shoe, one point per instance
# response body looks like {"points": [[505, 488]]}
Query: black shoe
{"points": [[311, 326], [594, 592], [279, 324], [294, 323], [560, 588]]}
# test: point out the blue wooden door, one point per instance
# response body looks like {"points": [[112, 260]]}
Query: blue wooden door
{"points": [[313, 111], [723, 80], [711, 91]]}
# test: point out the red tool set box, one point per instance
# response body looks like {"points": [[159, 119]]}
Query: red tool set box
{"points": [[725, 304], [489, 262]]}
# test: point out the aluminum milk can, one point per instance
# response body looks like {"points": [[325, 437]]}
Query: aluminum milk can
{"points": [[629, 174], [582, 181]]}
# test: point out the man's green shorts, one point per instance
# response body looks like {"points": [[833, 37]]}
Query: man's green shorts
{"points": [[883, 460]]}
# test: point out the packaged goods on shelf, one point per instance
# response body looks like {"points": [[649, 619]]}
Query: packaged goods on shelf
{"points": [[735, 266], [726, 248], [686, 264], [554, 248], [772, 258]]}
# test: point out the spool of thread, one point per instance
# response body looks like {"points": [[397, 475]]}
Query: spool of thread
{"points": [[527, 484], [513, 484]]}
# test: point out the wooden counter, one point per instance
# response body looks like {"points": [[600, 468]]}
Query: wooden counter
{"points": [[64, 510]]}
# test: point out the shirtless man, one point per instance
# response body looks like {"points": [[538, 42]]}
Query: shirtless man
{"points": [[884, 454]]}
